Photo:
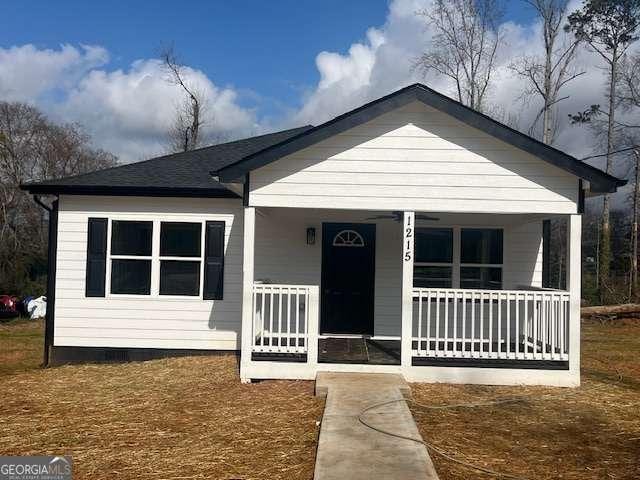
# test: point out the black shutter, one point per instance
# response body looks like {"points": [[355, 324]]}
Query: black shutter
{"points": [[213, 261], [96, 257]]}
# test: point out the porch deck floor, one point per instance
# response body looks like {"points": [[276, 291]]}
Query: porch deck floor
{"points": [[359, 351], [349, 449]]}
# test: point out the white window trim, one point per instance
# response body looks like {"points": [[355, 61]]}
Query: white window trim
{"points": [[155, 260], [457, 264]]}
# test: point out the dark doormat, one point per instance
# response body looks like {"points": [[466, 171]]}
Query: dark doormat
{"points": [[359, 350]]}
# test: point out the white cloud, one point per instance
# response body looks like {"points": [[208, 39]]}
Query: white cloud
{"points": [[27, 72], [131, 111], [371, 68], [127, 112]]}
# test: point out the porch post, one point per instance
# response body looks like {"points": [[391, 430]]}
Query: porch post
{"points": [[574, 265], [408, 234], [247, 291]]}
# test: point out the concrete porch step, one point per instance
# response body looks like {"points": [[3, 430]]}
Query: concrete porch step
{"points": [[349, 449]]}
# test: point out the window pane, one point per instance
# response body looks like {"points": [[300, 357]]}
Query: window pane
{"points": [[481, 245], [178, 239], [428, 277], [481, 277], [179, 278], [434, 245], [131, 276], [131, 238]]}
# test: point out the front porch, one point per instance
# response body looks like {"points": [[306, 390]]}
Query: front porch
{"points": [[505, 334]]}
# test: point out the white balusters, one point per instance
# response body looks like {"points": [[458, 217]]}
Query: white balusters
{"points": [[491, 324], [280, 327]]}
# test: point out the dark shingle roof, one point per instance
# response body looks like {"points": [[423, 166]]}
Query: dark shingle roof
{"points": [[186, 173]]}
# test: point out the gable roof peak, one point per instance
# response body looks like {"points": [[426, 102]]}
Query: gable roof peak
{"points": [[600, 182]]}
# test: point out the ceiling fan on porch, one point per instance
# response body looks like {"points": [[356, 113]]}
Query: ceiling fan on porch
{"points": [[397, 217]]}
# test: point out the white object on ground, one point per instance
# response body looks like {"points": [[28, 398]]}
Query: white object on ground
{"points": [[37, 307]]}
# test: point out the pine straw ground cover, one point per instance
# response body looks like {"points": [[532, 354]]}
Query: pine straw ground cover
{"points": [[176, 418], [592, 432]]}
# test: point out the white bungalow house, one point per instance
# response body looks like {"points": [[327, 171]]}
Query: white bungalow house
{"points": [[404, 236]]}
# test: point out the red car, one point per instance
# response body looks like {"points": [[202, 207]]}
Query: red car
{"points": [[9, 306]]}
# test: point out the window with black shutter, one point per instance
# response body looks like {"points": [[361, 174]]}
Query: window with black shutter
{"points": [[96, 257], [180, 258], [214, 261]]}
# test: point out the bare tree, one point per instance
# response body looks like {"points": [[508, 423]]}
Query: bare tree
{"points": [[629, 95], [464, 45], [546, 75], [32, 148], [629, 91], [185, 132], [549, 73], [609, 28]]}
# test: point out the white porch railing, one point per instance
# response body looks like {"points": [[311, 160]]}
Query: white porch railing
{"points": [[491, 324], [281, 318]]}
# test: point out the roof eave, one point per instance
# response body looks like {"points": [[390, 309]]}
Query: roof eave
{"points": [[606, 185], [41, 189]]}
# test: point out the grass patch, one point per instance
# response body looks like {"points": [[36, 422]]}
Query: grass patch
{"points": [[592, 432], [172, 418], [21, 345]]}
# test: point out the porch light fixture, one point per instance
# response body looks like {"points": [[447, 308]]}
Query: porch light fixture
{"points": [[311, 236]]}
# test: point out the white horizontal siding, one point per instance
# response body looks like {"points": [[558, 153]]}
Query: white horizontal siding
{"points": [[145, 321], [415, 158]]}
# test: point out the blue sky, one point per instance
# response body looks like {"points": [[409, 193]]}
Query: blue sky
{"points": [[266, 48], [261, 65]]}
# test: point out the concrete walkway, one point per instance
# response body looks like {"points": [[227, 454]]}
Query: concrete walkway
{"points": [[348, 449]]}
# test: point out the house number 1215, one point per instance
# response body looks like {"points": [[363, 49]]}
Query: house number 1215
{"points": [[408, 236]]}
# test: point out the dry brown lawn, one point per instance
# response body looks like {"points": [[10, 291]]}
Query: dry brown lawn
{"points": [[592, 432], [21, 343], [175, 418], [192, 418]]}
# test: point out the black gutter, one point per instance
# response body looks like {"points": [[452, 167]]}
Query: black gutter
{"points": [[52, 254], [40, 189]]}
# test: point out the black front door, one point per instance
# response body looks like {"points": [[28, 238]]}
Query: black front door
{"points": [[348, 270]]}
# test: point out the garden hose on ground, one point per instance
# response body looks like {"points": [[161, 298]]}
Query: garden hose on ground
{"points": [[442, 453], [433, 448]]}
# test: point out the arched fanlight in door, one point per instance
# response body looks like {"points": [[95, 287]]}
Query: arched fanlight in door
{"points": [[348, 238]]}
